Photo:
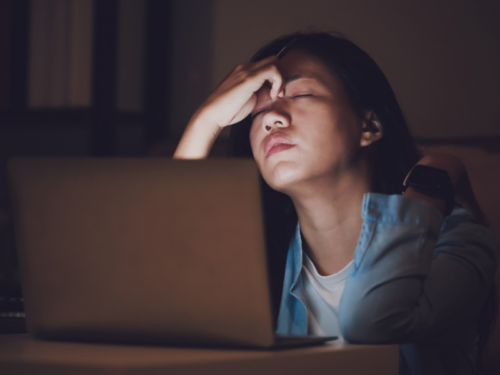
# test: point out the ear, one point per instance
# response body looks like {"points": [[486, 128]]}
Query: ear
{"points": [[372, 129]]}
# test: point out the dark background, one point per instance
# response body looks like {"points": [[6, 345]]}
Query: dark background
{"points": [[120, 78]]}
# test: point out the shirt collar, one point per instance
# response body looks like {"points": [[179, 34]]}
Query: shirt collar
{"points": [[296, 253]]}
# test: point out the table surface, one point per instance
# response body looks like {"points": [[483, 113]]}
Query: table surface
{"points": [[21, 354]]}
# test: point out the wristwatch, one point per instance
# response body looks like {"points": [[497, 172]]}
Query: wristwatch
{"points": [[432, 180]]}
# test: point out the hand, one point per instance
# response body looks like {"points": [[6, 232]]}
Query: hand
{"points": [[232, 101], [235, 98], [459, 177]]}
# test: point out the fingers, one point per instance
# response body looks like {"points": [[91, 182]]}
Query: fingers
{"points": [[276, 87], [235, 97], [276, 78], [266, 70]]}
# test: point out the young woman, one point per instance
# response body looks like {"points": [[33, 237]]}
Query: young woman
{"points": [[366, 259]]}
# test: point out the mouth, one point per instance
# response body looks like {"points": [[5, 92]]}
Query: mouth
{"points": [[277, 143]]}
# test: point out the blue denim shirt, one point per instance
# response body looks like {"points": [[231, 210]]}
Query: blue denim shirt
{"points": [[418, 279]]}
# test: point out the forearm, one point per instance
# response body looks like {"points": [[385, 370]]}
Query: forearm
{"points": [[412, 276], [437, 202], [198, 138], [391, 261], [450, 164], [232, 101]]}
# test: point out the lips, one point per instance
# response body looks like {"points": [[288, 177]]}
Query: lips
{"points": [[276, 143]]}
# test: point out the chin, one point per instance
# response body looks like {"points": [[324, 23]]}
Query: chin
{"points": [[283, 176]]}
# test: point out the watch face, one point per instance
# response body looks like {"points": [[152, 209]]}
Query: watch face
{"points": [[434, 180], [427, 177]]}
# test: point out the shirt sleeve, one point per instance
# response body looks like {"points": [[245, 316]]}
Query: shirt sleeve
{"points": [[415, 274]]}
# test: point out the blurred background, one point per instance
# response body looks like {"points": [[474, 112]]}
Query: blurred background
{"points": [[115, 78]]}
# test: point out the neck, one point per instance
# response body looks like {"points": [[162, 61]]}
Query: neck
{"points": [[329, 212]]}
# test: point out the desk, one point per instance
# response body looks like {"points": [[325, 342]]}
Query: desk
{"points": [[22, 355]]}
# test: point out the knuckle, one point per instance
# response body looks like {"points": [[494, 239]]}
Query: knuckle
{"points": [[252, 74], [240, 68]]}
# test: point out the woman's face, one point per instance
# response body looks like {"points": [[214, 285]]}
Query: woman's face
{"points": [[310, 131]]}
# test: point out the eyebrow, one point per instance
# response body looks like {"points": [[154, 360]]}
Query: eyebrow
{"points": [[289, 79], [293, 78], [299, 76]]}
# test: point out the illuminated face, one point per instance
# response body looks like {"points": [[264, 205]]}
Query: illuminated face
{"points": [[309, 132]]}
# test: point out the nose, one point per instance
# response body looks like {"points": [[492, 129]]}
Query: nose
{"points": [[276, 116]]}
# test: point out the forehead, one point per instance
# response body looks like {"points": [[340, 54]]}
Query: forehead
{"points": [[300, 63]]}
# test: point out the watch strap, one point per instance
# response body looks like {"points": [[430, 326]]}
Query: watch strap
{"points": [[435, 181]]}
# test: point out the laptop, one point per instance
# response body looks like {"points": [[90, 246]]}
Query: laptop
{"points": [[144, 251]]}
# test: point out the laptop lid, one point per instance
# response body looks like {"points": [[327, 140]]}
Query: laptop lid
{"points": [[144, 250]]}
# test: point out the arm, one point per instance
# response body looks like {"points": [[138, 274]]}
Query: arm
{"points": [[410, 281], [232, 101], [413, 275]]}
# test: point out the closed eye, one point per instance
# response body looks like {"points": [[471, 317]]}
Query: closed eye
{"points": [[293, 97]]}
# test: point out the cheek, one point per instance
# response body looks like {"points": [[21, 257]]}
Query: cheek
{"points": [[321, 131], [255, 138], [330, 139]]}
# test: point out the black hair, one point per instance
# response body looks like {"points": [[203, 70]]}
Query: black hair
{"points": [[391, 157], [367, 89]]}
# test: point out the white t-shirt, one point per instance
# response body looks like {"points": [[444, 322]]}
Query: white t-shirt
{"points": [[322, 296]]}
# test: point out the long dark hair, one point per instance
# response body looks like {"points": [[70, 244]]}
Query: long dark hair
{"points": [[367, 89], [391, 157]]}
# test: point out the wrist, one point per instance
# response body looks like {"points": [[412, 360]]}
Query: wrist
{"points": [[434, 199], [433, 184], [198, 138], [203, 121]]}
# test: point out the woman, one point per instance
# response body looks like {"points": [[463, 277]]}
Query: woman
{"points": [[363, 261]]}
